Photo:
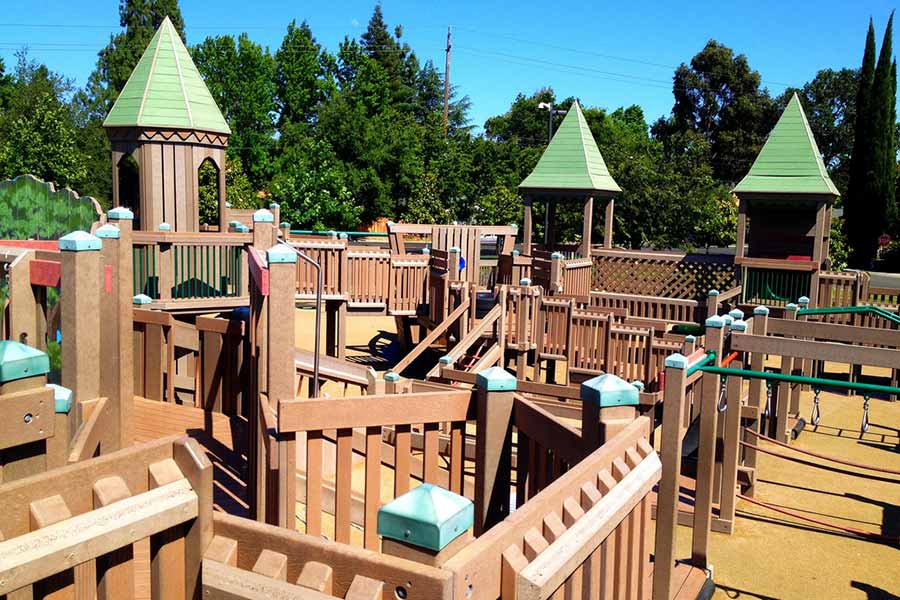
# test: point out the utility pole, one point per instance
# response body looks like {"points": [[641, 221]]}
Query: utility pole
{"points": [[447, 85]]}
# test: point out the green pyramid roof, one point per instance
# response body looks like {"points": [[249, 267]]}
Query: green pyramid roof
{"points": [[166, 90], [572, 162], [789, 162]]}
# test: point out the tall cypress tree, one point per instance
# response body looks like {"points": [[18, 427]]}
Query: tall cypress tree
{"points": [[879, 188], [854, 203]]}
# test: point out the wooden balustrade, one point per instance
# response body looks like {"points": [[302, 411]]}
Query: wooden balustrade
{"points": [[671, 310], [429, 410]]}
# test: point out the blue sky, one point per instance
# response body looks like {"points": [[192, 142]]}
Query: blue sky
{"points": [[607, 54]]}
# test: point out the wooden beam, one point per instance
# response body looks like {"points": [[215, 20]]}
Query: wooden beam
{"points": [[823, 351], [225, 582]]}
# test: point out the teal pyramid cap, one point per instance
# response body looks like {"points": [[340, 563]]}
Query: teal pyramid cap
{"points": [[165, 227], [789, 162], [446, 360], [263, 216], [761, 310], [280, 254], [803, 300], [18, 361], [496, 379], [391, 376], [715, 321], [108, 231], [284, 225], [141, 299], [677, 361], [736, 314], [121, 213], [428, 517], [62, 398], [166, 90], [572, 161], [79, 241], [609, 390], [739, 325], [274, 205]]}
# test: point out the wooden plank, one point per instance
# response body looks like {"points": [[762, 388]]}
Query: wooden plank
{"points": [[364, 588], [271, 564], [433, 335], [317, 576], [833, 332], [223, 550], [34, 556], [258, 270], [367, 411], [811, 350], [60, 585], [343, 485], [44, 273], [115, 570], [549, 570], [17, 427], [372, 487], [224, 582]]}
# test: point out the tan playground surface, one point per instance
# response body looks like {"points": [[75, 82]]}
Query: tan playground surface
{"points": [[771, 555]]}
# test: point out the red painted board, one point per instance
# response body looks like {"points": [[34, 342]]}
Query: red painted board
{"points": [[44, 272], [259, 271]]}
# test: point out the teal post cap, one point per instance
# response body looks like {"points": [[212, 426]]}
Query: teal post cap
{"points": [[263, 216], [515, 253], [426, 250], [121, 213], [274, 205], [676, 361], [496, 379], [79, 241], [609, 390], [108, 231], [791, 306], [556, 255], [280, 254], [332, 233], [18, 361], [761, 311], [241, 228], [391, 376], [514, 225], [234, 223], [713, 293], [802, 300], [227, 204], [736, 313], [428, 516], [455, 250], [728, 319], [524, 281], [284, 225], [638, 385], [446, 360], [739, 325], [165, 227], [690, 339], [141, 299], [715, 321], [390, 223], [62, 398], [342, 235]]}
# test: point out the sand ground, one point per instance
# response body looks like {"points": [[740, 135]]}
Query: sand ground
{"points": [[770, 555]]}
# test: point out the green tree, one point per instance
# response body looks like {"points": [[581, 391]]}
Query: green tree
{"points": [[238, 189], [426, 205], [240, 75], [719, 97], [38, 134], [303, 75]]}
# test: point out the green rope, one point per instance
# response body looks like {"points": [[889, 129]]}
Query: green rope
{"points": [[844, 310]]}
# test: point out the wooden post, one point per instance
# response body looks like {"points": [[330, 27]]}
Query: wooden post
{"points": [[556, 274], [115, 570], [27, 411], [275, 209], [712, 303], [80, 314], [608, 224], [667, 497], [741, 229], [493, 446], [165, 271], [282, 266], [758, 394], [803, 366], [820, 244], [608, 405], [706, 463], [783, 395], [25, 311], [587, 226], [116, 376], [264, 233], [527, 228]]}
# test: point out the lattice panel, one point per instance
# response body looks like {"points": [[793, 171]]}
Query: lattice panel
{"points": [[688, 277]]}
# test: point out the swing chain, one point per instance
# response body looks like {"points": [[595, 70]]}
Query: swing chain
{"points": [[816, 411], [723, 400], [768, 399], [864, 427]]}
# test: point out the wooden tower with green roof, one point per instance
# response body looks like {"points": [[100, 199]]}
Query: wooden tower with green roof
{"points": [[167, 121], [570, 168], [784, 217]]}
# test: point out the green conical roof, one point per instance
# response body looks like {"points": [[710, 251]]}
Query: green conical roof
{"points": [[572, 162], [166, 90], [789, 162]]}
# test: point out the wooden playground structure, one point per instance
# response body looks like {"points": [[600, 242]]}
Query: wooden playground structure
{"points": [[547, 404]]}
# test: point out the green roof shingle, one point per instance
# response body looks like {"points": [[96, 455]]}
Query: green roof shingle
{"points": [[789, 162], [572, 162], [166, 90]]}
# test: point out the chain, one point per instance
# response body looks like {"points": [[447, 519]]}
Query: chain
{"points": [[816, 411], [864, 427]]}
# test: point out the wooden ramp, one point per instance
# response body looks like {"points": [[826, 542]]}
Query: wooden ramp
{"points": [[221, 436], [333, 369]]}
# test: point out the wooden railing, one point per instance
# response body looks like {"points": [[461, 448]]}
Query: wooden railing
{"points": [[427, 410], [583, 535], [672, 310], [180, 268], [663, 274], [80, 523]]}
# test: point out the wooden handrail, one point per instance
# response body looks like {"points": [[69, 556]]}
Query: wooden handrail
{"points": [[144, 238], [90, 434], [432, 336]]}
